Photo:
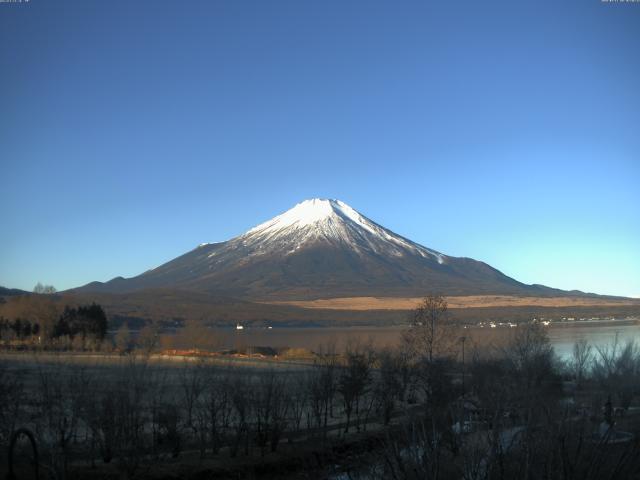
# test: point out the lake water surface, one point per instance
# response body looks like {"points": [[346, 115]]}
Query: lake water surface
{"points": [[562, 336]]}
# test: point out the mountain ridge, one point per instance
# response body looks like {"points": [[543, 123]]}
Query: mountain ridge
{"points": [[322, 248], [7, 292]]}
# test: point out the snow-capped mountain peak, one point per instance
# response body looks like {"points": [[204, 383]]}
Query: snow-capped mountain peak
{"points": [[330, 220], [318, 249], [310, 212]]}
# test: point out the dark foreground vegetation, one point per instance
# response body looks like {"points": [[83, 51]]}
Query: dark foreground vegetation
{"points": [[434, 408]]}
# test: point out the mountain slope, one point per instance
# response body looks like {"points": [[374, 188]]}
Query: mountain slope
{"points": [[8, 292], [321, 248]]}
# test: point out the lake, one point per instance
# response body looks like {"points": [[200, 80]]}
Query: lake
{"points": [[562, 336]]}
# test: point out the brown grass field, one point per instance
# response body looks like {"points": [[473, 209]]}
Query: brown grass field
{"points": [[472, 301]]}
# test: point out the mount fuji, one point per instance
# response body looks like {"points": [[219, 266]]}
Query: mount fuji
{"points": [[319, 249]]}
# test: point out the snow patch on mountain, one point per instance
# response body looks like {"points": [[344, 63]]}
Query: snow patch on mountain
{"points": [[333, 221]]}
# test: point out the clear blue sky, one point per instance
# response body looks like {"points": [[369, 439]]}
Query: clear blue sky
{"points": [[131, 131]]}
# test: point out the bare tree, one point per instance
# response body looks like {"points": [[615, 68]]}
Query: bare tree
{"points": [[580, 359], [218, 407], [149, 338], [43, 310], [241, 401], [354, 381], [269, 410], [98, 413], [122, 338], [131, 414], [192, 385], [167, 420], [432, 333], [60, 398], [298, 401], [413, 453], [530, 353], [322, 388], [617, 369], [389, 385], [44, 289], [196, 336]]}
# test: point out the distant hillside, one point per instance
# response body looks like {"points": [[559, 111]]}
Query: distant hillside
{"points": [[9, 292]]}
